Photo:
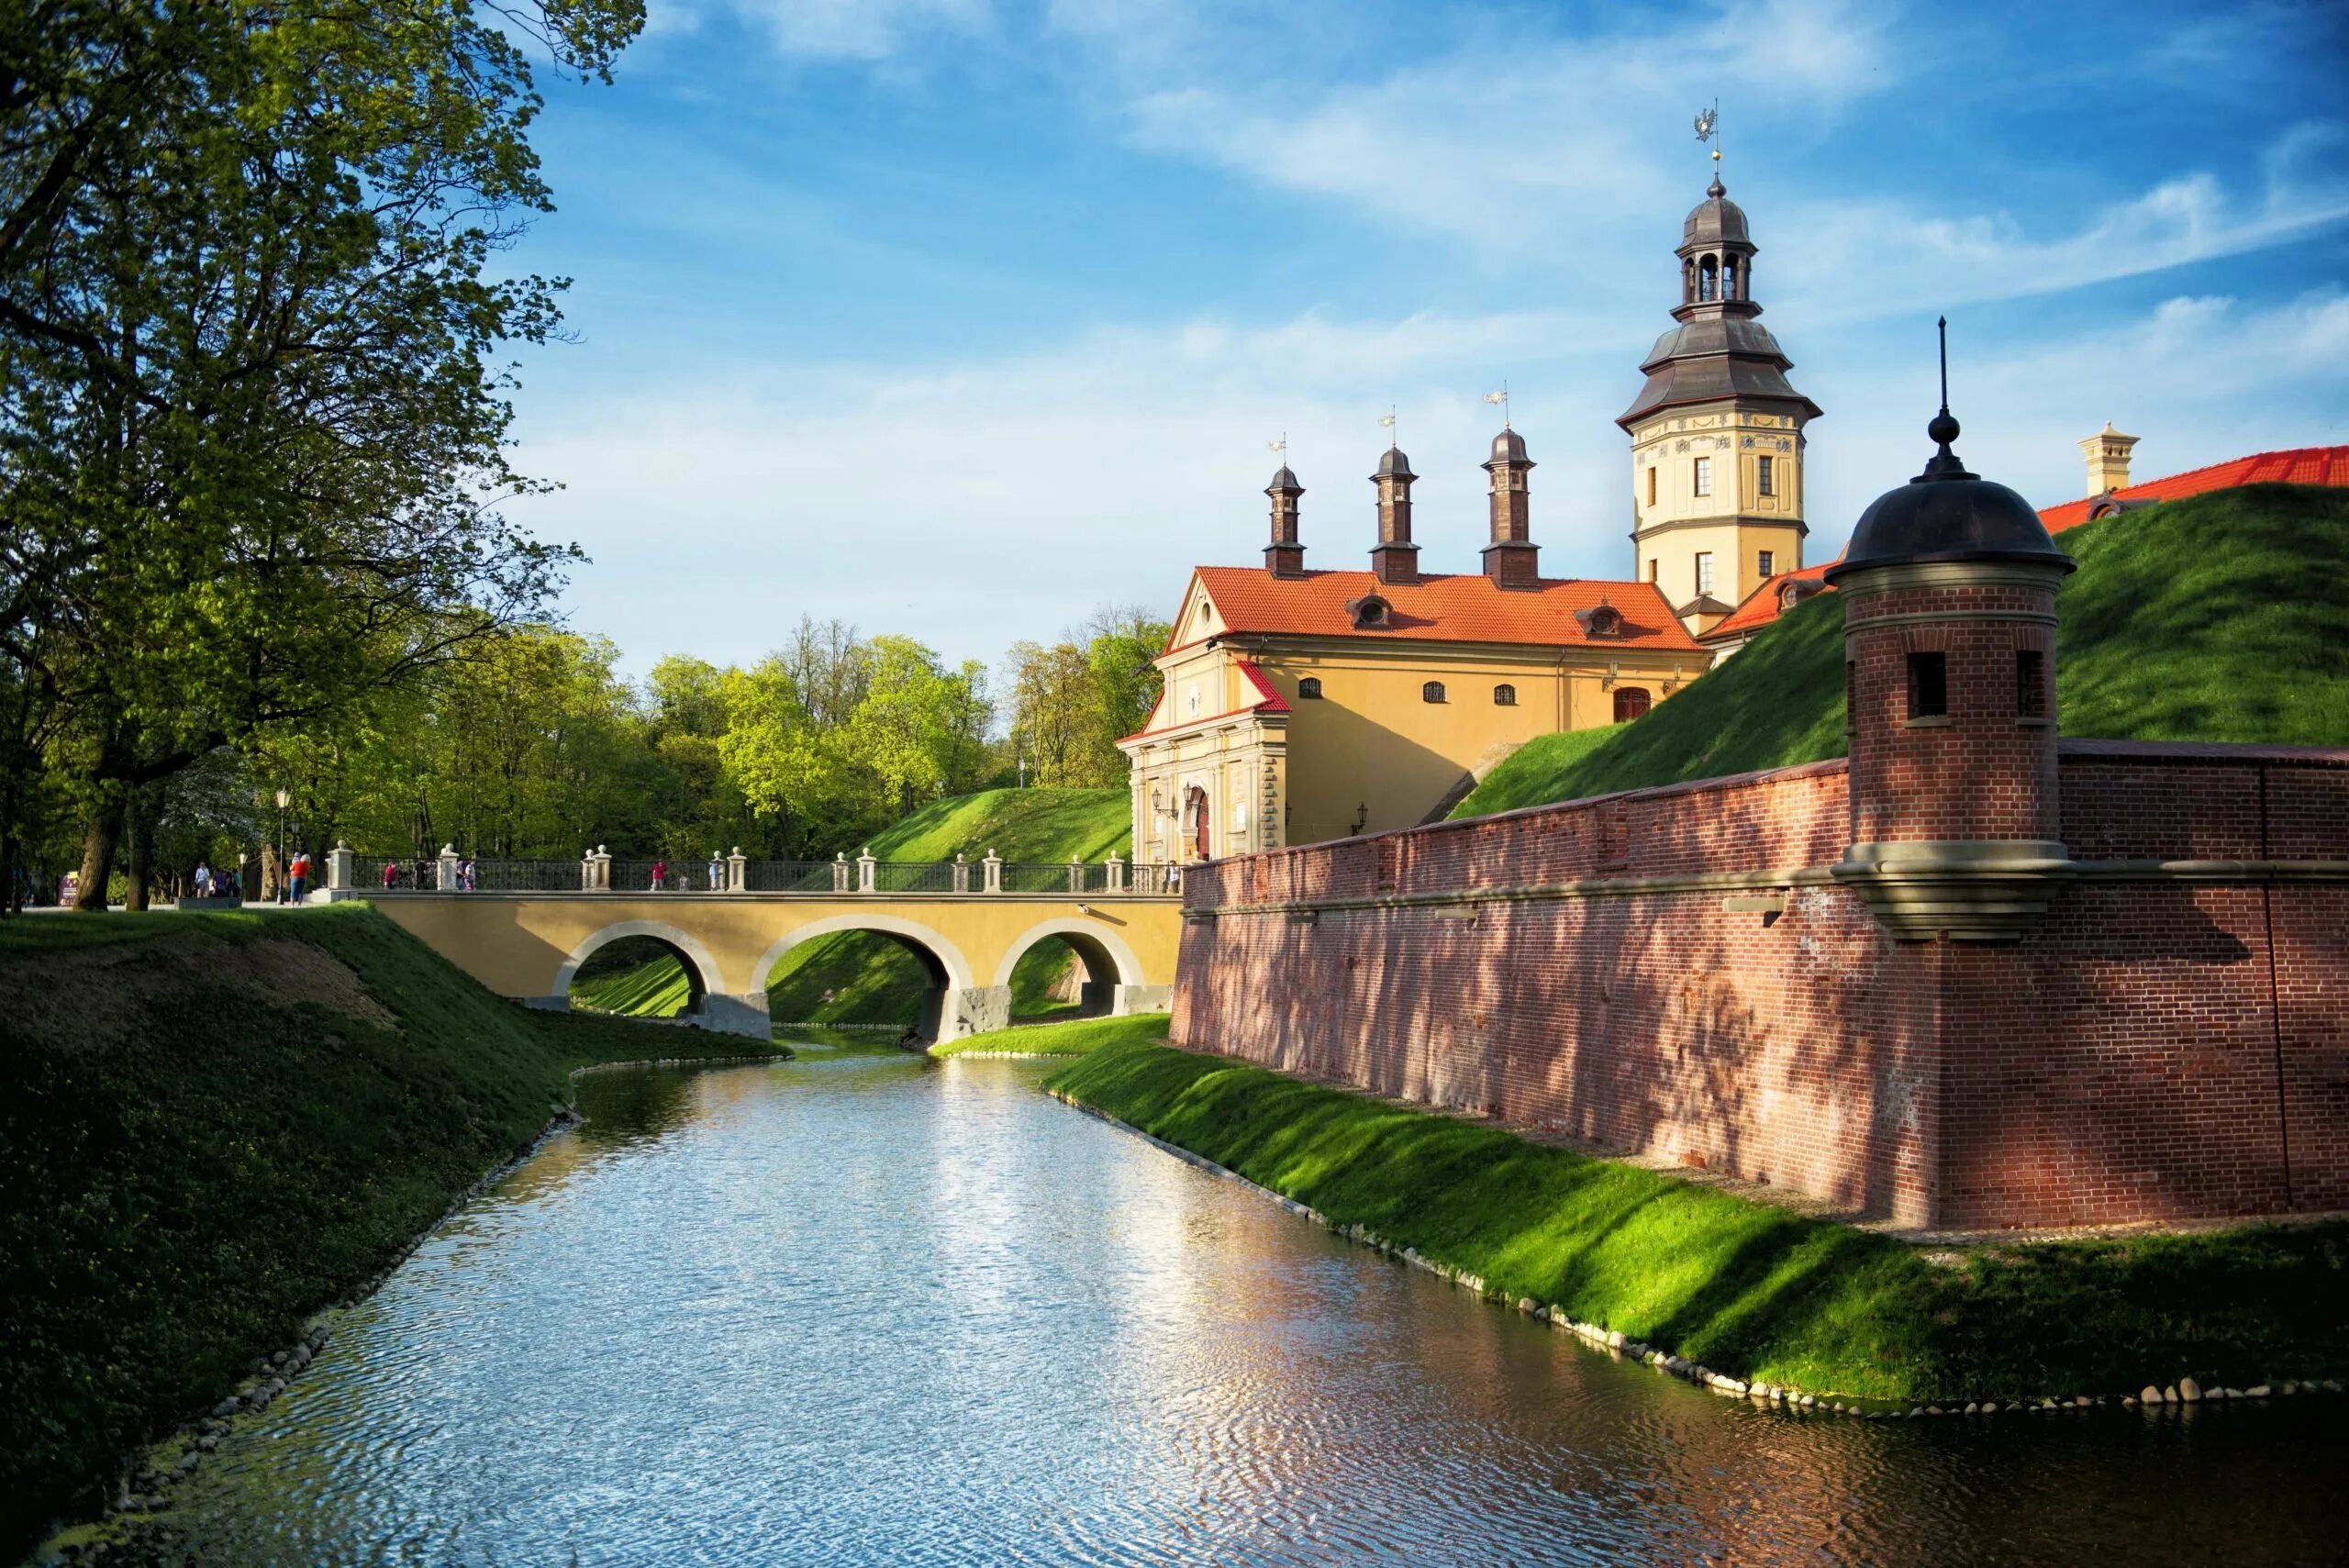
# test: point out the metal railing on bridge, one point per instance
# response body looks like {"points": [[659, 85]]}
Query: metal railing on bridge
{"points": [[866, 876]]}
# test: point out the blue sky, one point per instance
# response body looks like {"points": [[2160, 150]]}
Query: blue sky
{"points": [[962, 318]]}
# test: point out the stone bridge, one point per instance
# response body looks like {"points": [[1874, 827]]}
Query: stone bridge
{"points": [[529, 944]]}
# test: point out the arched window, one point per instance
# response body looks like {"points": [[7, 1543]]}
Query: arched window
{"points": [[1504, 696], [1432, 692], [1309, 688], [1630, 701], [1707, 278], [1728, 279]]}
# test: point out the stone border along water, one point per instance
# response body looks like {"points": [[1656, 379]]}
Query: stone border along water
{"points": [[146, 1490], [1770, 1396]]}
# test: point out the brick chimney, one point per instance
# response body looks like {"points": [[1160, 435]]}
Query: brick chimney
{"points": [[1284, 557], [2108, 453], [1395, 557], [1512, 559]]}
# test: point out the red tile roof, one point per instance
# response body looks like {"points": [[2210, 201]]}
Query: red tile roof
{"points": [[2302, 465], [1273, 702], [1459, 607], [1764, 604]]}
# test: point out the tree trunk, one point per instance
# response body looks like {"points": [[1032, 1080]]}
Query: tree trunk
{"points": [[140, 830], [97, 855]]}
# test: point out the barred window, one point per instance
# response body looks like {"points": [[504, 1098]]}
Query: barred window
{"points": [[1310, 686], [1504, 696], [1432, 692]]}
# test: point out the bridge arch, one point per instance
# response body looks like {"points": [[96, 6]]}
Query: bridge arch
{"points": [[1108, 960], [946, 1006], [701, 968]]}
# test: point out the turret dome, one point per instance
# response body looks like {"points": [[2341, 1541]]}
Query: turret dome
{"points": [[1393, 464], [1509, 446], [1715, 220], [1948, 514]]}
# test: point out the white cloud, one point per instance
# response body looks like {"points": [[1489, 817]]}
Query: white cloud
{"points": [[1857, 259], [969, 504], [1518, 145]]}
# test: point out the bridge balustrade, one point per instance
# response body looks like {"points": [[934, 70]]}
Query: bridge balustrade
{"points": [[839, 878]]}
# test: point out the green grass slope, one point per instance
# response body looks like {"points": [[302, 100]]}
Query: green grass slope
{"points": [[1745, 1288], [2210, 618], [1073, 1037], [1038, 824], [212, 1125], [635, 977]]}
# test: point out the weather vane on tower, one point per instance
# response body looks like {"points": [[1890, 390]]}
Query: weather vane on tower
{"points": [[1706, 120]]}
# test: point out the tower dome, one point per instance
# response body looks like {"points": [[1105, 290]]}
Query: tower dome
{"points": [[1509, 446], [1393, 464], [1948, 514], [1715, 220]]}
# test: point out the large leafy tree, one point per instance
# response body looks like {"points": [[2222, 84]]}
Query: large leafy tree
{"points": [[251, 442]]}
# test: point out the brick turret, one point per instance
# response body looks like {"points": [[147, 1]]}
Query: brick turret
{"points": [[1284, 557], [1395, 557], [1512, 559], [1949, 647]]}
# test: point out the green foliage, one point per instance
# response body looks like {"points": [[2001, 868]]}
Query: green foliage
{"points": [[253, 443], [2209, 618], [1746, 1288], [1076, 1037], [1072, 702], [209, 1141]]}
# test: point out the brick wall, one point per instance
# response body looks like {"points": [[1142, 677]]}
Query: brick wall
{"points": [[2160, 1048]]}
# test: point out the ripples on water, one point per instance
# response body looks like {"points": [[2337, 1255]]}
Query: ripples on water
{"points": [[881, 1311]]}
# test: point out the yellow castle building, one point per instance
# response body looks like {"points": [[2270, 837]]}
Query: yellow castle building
{"points": [[1305, 705]]}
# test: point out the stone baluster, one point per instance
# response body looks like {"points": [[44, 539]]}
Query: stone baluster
{"points": [[448, 873], [839, 872], [1115, 870], [1075, 875], [341, 866], [961, 872], [992, 881], [864, 864], [738, 872]]}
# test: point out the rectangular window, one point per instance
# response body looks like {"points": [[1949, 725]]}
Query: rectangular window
{"points": [[1651, 568], [1928, 685], [1650, 486], [1768, 563], [1704, 476], [2031, 683], [1763, 480], [1704, 571]]}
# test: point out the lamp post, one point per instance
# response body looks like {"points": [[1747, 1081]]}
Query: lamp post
{"points": [[284, 799]]}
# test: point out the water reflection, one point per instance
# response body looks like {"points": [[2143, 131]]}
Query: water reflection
{"points": [[880, 1310]]}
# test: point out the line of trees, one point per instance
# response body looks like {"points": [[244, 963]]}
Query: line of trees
{"points": [[253, 449]]}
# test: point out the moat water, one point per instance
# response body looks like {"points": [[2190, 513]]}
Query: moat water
{"points": [[882, 1310]]}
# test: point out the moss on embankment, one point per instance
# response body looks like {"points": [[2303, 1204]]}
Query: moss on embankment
{"points": [[1748, 1289], [212, 1124]]}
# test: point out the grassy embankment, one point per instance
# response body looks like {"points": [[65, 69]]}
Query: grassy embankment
{"points": [[856, 977], [2210, 618], [1073, 1037], [212, 1126], [1747, 1289]]}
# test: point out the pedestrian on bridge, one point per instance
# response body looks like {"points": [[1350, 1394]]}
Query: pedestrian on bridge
{"points": [[716, 872], [659, 874]]}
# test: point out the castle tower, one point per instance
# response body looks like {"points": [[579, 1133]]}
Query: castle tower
{"points": [[1395, 557], [1284, 557], [1512, 559], [1949, 648], [1717, 433], [2108, 453]]}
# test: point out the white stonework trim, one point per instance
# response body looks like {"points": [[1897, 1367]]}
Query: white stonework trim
{"points": [[1129, 972], [712, 982], [958, 968]]}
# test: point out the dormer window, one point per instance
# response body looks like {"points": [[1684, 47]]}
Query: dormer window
{"points": [[1601, 620], [1370, 613]]}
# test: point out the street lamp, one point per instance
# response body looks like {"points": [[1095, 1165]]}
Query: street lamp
{"points": [[284, 799]]}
